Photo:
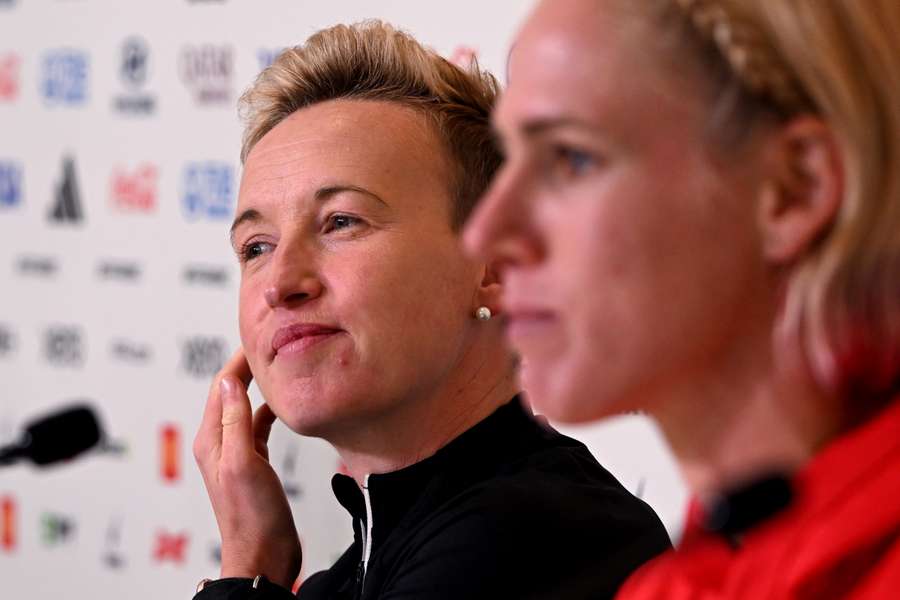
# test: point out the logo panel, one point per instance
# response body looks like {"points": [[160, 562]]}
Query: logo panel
{"points": [[66, 206], [208, 190], [10, 184], [170, 453], [203, 356], [207, 71], [134, 191], [9, 77], [134, 70], [64, 78], [64, 346]]}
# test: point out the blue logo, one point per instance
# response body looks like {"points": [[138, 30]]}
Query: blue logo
{"points": [[10, 184], [208, 190], [65, 77]]}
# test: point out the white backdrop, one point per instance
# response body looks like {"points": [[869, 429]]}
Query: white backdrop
{"points": [[119, 166]]}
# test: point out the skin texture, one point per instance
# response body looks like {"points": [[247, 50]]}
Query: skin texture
{"points": [[643, 267], [344, 221]]}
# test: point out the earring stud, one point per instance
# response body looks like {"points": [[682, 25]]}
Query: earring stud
{"points": [[483, 313]]}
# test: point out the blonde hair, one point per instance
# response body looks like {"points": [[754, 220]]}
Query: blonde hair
{"points": [[839, 60], [374, 61]]}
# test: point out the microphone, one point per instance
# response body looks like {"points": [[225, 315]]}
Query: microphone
{"points": [[56, 437]]}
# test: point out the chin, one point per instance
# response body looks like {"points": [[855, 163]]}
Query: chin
{"points": [[567, 398]]}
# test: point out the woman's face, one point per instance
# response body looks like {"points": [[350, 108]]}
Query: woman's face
{"points": [[355, 296], [630, 252]]}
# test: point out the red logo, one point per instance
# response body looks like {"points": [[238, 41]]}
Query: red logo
{"points": [[7, 523], [171, 547], [136, 191], [170, 453], [9, 77]]}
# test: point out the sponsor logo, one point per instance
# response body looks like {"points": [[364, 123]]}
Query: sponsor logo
{"points": [[10, 184], [112, 554], [39, 266], [56, 529], [130, 352], [171, 547], [7, 341], [134, 69], [292, 488], [64, 79], [8, 521], [119, 270], [67, 204], [9, 77], [202, 275], [170, 453], [207, 72], [266, 56], [208, 190], [203, 356], [63, 346], [134, 191]]}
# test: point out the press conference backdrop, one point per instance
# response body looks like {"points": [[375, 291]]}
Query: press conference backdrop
{"points": [[119, 171]]}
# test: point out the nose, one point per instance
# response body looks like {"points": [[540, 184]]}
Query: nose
{"points": [[294, 276], [502, 228]]}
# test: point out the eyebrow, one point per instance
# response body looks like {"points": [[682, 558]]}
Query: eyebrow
{"points": [[538, 126], [323, 194]]}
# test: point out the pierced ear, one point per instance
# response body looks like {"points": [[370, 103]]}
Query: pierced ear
{"points": [[803, 191], [490, 290]]}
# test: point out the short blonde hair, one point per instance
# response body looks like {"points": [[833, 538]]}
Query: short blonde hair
{"points": [[839, 60], [374, 61]]}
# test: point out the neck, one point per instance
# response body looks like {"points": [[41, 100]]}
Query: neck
{"points": [[483, 381], [757, 417]]}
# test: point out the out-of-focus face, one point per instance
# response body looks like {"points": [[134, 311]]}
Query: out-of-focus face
{"points": [[632, 260], [355, 296]]}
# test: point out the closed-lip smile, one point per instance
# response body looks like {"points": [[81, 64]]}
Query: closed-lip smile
{"points": [[305, 333]]}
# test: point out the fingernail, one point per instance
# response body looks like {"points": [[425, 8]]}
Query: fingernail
{"points": [[226, 385]]}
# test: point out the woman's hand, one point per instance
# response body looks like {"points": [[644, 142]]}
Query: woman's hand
{"points": [[255, 520]]}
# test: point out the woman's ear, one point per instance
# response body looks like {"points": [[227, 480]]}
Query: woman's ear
{"points": [[490, 289], [803, 190]]}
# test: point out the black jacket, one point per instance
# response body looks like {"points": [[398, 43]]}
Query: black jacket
{"points": [[509, 509]]}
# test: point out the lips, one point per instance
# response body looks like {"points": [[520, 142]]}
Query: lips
{"points": [[301, 332], [528, 322]]}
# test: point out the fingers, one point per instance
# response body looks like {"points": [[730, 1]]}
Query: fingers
{"points": [[208, 441], [263, 419], [237, 421]]}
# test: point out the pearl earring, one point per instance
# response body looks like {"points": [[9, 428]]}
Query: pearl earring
{"points": [[483, 313]]}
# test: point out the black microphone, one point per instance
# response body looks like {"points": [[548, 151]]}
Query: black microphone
{"points": [[56, 437]]}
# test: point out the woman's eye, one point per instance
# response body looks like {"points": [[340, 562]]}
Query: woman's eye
{"points": [[337, 222], [571, 162], [252, 250]]}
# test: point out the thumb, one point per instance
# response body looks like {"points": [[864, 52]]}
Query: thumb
{"points": [[237, 435]]}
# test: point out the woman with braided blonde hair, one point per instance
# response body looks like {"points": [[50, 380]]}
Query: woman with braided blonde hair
{"points": [[699, 217]]}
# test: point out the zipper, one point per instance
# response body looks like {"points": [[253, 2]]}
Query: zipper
{"points": [[367, 541]]}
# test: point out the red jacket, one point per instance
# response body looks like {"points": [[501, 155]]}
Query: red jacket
{"points": [[840, 538]]}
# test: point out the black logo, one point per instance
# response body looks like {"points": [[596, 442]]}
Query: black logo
{"points": [[131, 352], [63, 346], [67, 207], [134, 70], [209, 276], [203, 356], [39, 266], [119, 270], [7, 340]]}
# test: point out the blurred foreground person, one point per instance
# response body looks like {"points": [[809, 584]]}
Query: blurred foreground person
{"points": [[699, 217], [364, 324]]}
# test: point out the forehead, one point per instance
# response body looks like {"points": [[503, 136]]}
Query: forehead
{"points": [[382, 145], [578, 58]]}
